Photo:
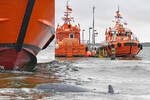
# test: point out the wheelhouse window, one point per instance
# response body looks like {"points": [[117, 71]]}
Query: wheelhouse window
{"points": [[71, 35], [127, 33]]}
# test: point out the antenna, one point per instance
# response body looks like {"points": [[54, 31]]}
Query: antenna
{"points": [[67, 17], [118, 8], [93, 35], [67, 4], [118, 15]]}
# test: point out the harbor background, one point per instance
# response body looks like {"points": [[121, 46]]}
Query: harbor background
{"points": [[128, 76], [104, 15]]}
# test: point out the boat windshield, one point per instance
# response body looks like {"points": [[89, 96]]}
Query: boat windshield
{"points": [[123, 33]]}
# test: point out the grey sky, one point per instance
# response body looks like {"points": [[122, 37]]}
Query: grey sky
{"points": [[135, 12]]}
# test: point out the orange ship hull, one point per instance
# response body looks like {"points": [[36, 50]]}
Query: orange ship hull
{"points": [[70, 48], [26, 27], [124, 48], [70, 51]]}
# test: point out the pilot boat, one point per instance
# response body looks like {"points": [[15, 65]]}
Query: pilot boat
{"points": [[119, 40], [26, 27], [68, 42]]}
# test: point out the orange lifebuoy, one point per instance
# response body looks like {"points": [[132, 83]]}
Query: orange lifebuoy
{"points": [[88, 54]]}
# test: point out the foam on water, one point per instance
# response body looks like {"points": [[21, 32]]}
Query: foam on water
{"points": [[129, 78]]}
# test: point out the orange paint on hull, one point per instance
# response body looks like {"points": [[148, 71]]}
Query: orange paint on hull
{"points": [[26, 26], [125, 50], [41, 32], [70, 48]]}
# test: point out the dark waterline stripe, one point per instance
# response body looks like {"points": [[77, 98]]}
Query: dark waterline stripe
{"points": [[13, 45], [25, 23]]}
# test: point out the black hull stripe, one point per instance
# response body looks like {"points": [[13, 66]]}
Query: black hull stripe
{"points": [[37, 49], [25, 23], [13, 45]]}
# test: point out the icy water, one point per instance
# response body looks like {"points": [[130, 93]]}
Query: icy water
{"points": [[80, 79]]}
